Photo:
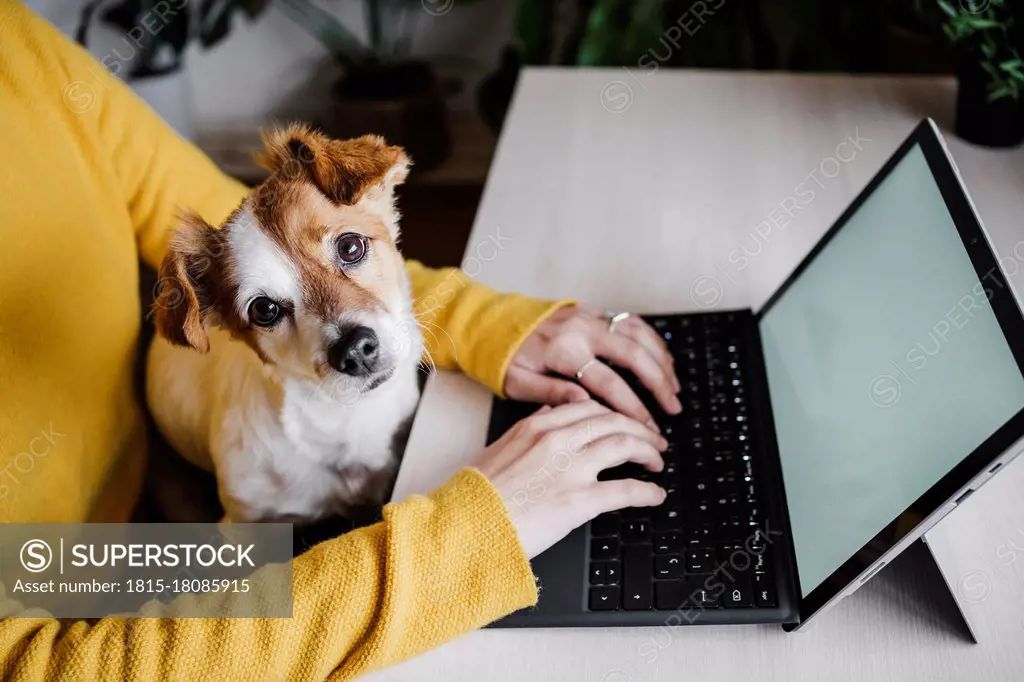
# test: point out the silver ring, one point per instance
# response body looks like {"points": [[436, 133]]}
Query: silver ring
{"points": [[584, 367], [614, 318]]}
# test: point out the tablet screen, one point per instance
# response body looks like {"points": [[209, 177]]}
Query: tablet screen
{"points": [[886, 368]]}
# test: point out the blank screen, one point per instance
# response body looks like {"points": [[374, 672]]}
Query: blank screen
{"points": [[886, 368]]}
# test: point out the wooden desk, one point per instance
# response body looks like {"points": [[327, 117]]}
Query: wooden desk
{"points": [[638, 207]]}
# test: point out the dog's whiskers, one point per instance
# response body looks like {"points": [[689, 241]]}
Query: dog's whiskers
{"points": [[426, 329]]}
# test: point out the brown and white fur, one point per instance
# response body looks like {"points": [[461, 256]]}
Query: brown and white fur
{"points": [[291, 436]]}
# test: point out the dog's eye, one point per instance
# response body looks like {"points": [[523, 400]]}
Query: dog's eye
{"points": [[263, 312], [351, 248]]}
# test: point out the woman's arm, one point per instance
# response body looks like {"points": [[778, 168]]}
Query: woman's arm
{"points": [[471, 326], [434, 568]]}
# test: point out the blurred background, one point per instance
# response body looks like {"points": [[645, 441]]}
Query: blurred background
{"points": [[437, 76]]}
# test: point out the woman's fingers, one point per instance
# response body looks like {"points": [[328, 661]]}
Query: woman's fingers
{"points": [[614, 495], [635, 328], [629, 354], [619, 448], [566, 416], [610, 423], [531, 387], [602, 382]]}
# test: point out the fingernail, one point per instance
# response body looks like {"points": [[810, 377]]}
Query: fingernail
{"points": [[652, 426], [662, 443], [675, 406], [678, 386]]}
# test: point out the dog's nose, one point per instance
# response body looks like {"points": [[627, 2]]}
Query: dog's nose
{"points": [[356, 353]]}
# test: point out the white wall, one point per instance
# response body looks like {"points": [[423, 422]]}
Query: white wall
{"points": [[272, 69]]}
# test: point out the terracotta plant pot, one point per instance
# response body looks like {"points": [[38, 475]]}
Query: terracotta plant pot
{"points": [[405, 103], [998, 123]]}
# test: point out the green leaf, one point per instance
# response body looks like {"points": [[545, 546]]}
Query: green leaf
{"points": [[948, 9], [1000, 93], [604, 40]]}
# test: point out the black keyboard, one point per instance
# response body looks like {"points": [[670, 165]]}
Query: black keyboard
{"points": [[705, 546]]}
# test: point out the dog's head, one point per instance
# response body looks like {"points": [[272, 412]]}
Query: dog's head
{"points": [[306, 271]]}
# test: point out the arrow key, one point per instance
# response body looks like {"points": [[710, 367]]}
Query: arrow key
{"points": [[636, 577], [604, 598], [604, 549]]}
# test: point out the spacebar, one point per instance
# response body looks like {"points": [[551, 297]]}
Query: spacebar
{"points": [[636, 577]]}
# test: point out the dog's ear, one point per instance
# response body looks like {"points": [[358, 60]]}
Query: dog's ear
{"points": [[182, 300], [346, 171]]}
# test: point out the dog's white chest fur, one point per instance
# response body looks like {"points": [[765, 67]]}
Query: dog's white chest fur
{"points": [[282, 449]]}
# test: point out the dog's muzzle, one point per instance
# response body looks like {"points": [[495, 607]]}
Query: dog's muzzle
{"points": [[356, 353]]}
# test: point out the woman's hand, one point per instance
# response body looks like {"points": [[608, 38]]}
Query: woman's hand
{"points": [[545, 469], [569, 339]]}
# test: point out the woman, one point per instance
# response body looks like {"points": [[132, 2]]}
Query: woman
{"points": [[90, 183]]}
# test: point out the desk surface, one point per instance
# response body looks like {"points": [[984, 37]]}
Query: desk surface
{"points": [[631, 191]]}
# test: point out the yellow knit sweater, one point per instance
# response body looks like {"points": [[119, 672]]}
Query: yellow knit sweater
{"points": [[89, 183]]}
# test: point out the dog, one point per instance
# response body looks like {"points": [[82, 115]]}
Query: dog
{"points": [[287, 350]]}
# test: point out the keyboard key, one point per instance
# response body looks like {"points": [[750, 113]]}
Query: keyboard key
{"points": [[702, 597], [698, 511], [669, 596], [604, 549], [635, 532], [732, 529], [700, 561], [668, 543], [668, 567], [604, 573], [737, 594], [764, 590], [758, 542], [699, 535], [759, 562], [636, 577], [666, 518], [697, 466], [605, 598], [735, 557], [605, 525]]}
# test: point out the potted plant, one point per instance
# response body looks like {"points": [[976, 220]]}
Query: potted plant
{"points": [[383, 89], [640, 35], [150, 54], [986, 35]]}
